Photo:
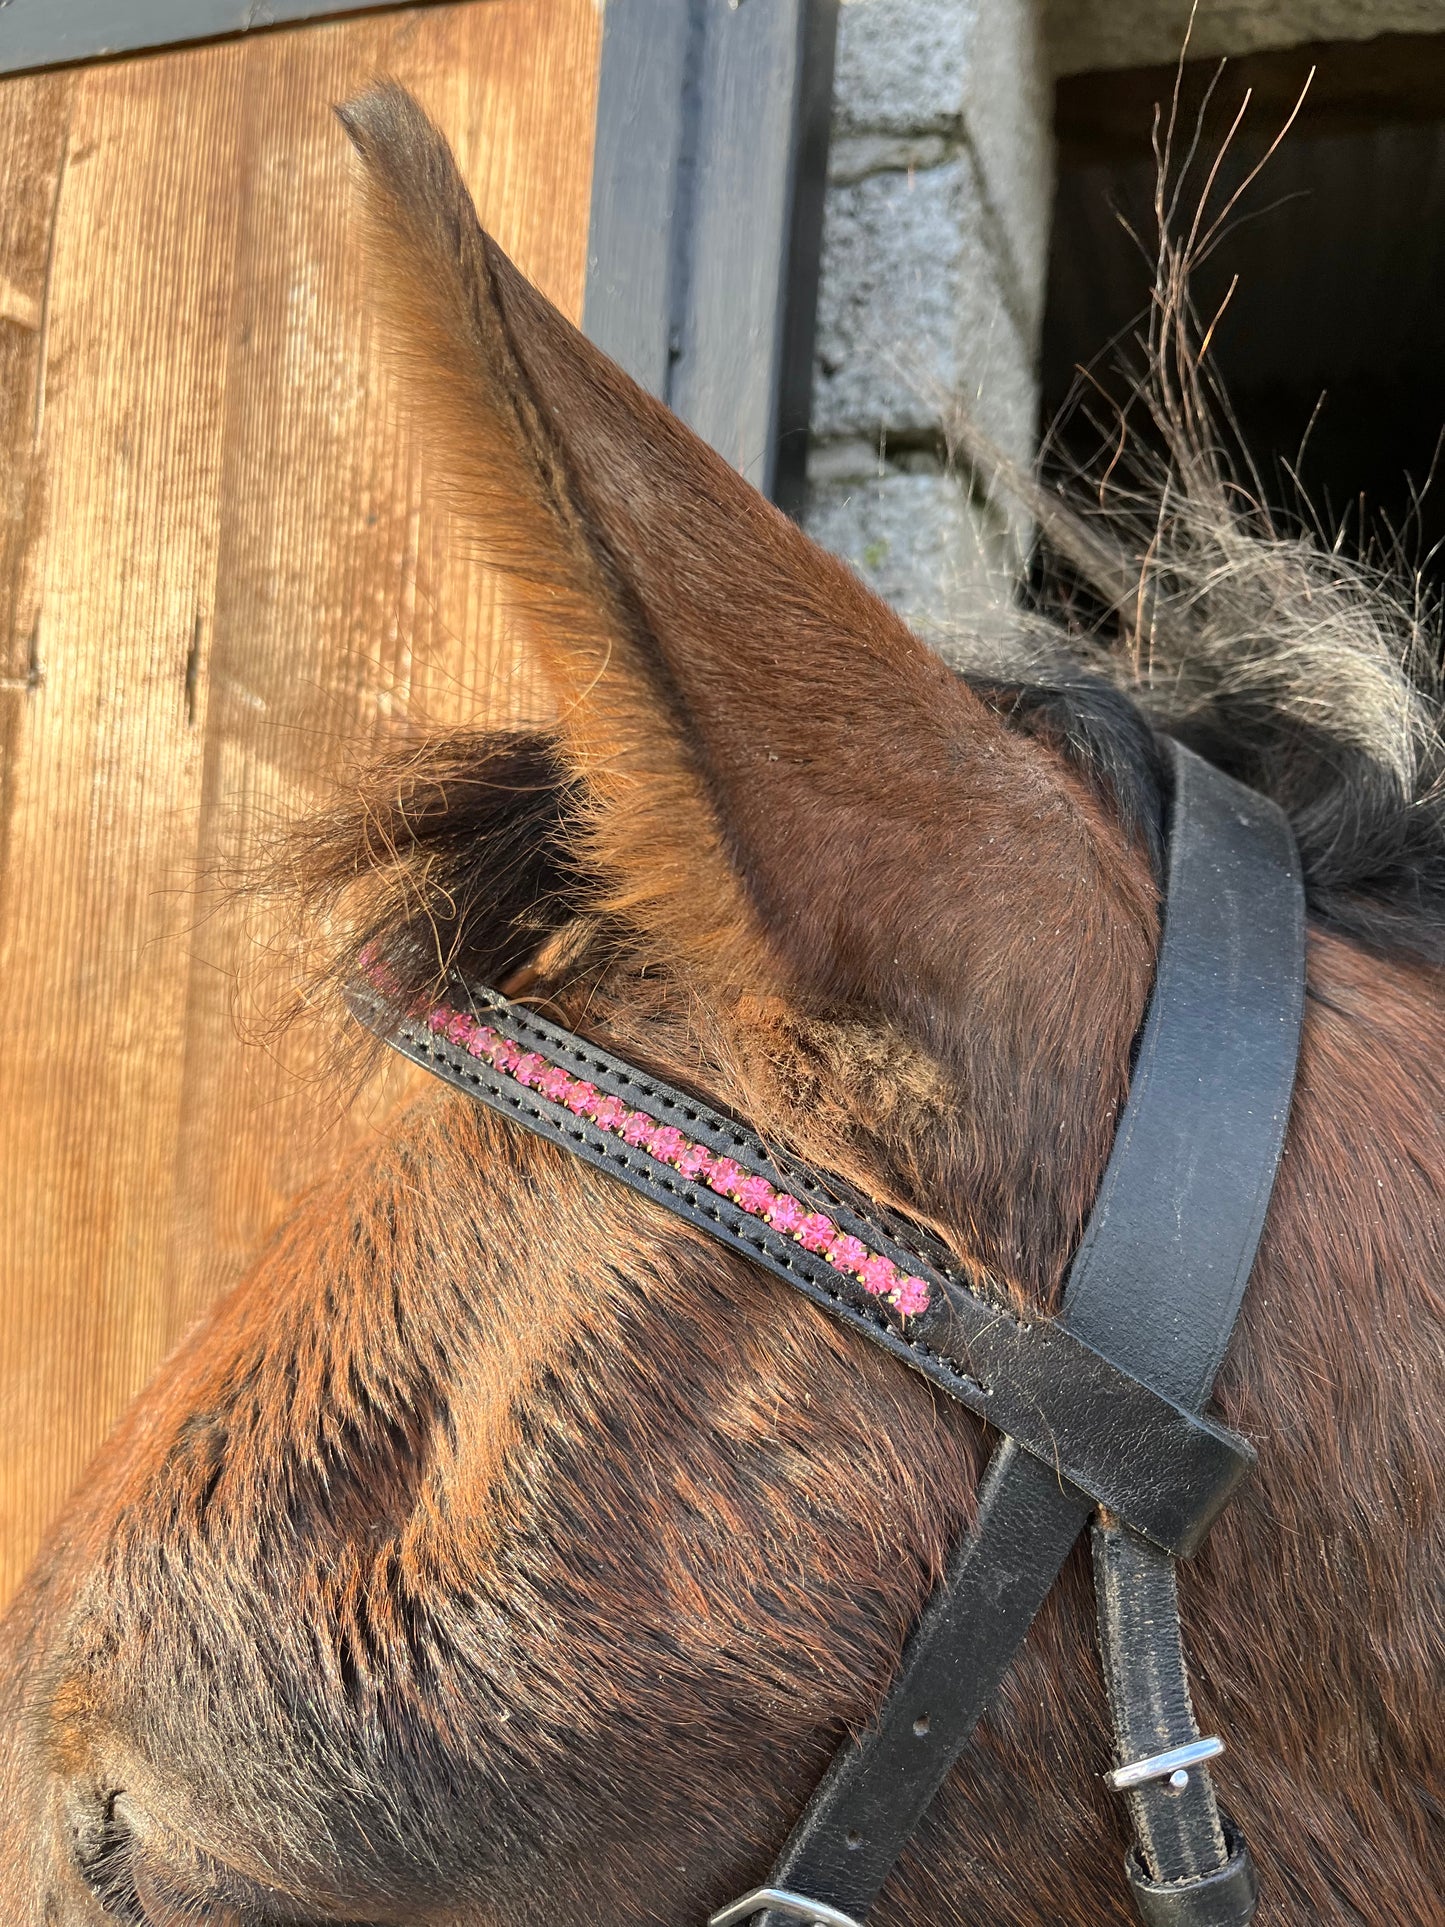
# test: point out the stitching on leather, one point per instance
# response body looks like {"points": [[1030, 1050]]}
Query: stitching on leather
{"points": [[459, 1068], [562, 1044], [650, 1175], [460, 1071], [591, 1058]]}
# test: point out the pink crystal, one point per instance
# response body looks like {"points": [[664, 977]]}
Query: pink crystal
{"points": [[816, 1232], [847, 1253], [695, 1162], [506, 1056], [638, 1129], [754, 1195], [529, 1068], [879, 1275], [785, 1214], [554, 1083], [439, 1018], [582, 1098], [382, 975], [724, 1175], [484, 1041], [667, 1143], [609, 1113], [911, 1296], [462, 1029]]}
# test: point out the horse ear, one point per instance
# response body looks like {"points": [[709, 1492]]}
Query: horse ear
{"points": [[769, 751]]}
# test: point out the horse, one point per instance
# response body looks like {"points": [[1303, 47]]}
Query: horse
{"points": [[505, 1551]]}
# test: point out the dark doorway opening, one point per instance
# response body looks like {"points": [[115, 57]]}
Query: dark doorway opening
{"points": [[1331, 347]]}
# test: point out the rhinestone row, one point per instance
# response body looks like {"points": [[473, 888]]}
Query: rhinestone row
{"points": [[813, 1230]]}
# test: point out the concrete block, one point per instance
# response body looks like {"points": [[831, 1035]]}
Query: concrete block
{"points": [[854, 460], [901, 65], [913, 314], [942, 559], [931, 297], [852, 156], [972, 72], [1008, 124]]}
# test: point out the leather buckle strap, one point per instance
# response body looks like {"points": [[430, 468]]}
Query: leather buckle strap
{"points": [[1164, 1782], [1165, 1260], [1159, 1279], [1226, 1897]]}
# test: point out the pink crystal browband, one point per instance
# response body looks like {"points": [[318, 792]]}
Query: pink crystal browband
{"points": [[867, 1266], [815, 1231]]}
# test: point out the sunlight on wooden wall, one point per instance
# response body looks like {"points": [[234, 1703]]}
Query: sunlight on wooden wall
{"points": [[218, 578]]}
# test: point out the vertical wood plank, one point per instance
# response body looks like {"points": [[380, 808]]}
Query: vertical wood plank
{"points": [[220, 577], [34, 121]]}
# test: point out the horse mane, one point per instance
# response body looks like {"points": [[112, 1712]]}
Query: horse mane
{"points": [[1308, 674], [1166, 596]]}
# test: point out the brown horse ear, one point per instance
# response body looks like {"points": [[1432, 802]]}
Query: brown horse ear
{"points": [[770, 751]]}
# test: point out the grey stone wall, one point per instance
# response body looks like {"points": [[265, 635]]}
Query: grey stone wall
{"points": [[935, 257], [934, 261]]}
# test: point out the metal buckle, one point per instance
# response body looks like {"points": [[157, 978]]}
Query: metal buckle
{"points": [[813, 1913], [1172, 1766]]}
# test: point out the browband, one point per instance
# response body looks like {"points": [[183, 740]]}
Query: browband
{"points": [[1124, 1445], [1099, 1407]]}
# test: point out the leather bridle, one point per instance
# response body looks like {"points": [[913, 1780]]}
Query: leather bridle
{"points": [[1100, 1409]]}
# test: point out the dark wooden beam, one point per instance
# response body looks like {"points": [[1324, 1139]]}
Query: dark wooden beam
{"points": [[1340, 87], [707, 209], [52, 33]]}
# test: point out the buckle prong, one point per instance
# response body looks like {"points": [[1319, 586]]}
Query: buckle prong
{"points": [[1172, 1766], [812, 1913]]}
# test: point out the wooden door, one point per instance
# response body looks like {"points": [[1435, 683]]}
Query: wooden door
{"points": [[218, 578]]}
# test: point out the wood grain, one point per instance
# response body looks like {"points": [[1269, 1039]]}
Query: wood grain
{"points": [[218, 576]]}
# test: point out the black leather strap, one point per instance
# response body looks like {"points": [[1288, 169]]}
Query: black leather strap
{"points": [[1178, 1830], [1225, 1898], [1158, 1278], [879, 1787], [1161, 1269], [1167, 1471], [1165, 1259]]}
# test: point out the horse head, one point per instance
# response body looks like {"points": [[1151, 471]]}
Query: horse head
{"points": [[503, 1550]]}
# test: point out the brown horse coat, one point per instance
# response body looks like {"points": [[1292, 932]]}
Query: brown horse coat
{"points": [[503, 1553]]}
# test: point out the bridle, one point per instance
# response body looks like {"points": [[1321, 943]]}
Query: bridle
{"points": [[1100, 1409]]}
